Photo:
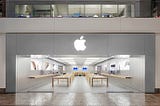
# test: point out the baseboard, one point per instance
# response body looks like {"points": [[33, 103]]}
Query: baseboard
{"points": [[157, 90], [2, 90]]}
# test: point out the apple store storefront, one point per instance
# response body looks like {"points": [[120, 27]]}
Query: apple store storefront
{"points": [[80, 63]]}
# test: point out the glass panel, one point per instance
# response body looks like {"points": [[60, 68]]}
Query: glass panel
{"points": [[126, 10], [92, 10], [76, 10], [109, 11], [60, 10], [23, 11], [53, 9], [122, 11], [41, 11], [132, 10]]}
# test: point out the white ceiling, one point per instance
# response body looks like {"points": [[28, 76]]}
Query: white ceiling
{"points": [[80, 60]]}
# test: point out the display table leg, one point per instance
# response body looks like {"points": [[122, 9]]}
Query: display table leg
{"points": [[52, 82], [67, 81], [101, 81], [107, 82]]}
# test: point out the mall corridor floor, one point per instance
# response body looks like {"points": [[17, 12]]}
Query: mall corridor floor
{"points": [[80, 99]]}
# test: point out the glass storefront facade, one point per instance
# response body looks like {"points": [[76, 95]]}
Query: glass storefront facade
{"points": [[75, 10]]}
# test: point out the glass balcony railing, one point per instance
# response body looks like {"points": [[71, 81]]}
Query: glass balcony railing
{"points": [[138, 9], [75, 10]]}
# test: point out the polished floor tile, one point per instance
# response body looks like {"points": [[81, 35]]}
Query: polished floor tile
{"points": [[80, 99], [80, 93], [81, 85]]}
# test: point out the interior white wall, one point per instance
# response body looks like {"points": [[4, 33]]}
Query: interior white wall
{"points": [[106, 65], [76, 9], [62, 9], [157, 72], [53, 65], [2, 61], [70, 67]]}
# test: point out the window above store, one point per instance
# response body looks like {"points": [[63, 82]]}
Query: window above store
{"points": [[75, 10]]}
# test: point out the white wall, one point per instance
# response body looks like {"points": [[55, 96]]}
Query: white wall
{"points": [[119, 65], [90, 69], [101, 25], [2, 62], [41, 64], [157, 76]]}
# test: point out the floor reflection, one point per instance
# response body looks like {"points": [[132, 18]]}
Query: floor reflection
{"points": [[80, 99]]}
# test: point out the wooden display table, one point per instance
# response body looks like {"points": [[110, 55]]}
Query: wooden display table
{"points": [[80, 73], [88, 77], [68, 77], [116, 76], [91, 77], [99, 77], [42, 76]]}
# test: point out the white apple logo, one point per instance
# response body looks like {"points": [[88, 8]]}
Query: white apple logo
{"points": [[79, 44]]}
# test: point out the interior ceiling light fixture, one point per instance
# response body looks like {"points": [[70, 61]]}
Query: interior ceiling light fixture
{"points": [[39, 56], [123, 56]]}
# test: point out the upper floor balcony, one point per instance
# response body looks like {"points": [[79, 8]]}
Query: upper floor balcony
{"points": [[79, 25], [81, 17], [75, 10], [82, 8]]}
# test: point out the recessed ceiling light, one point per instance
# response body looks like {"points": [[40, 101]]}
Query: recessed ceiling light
{"points": [[123, 56]]}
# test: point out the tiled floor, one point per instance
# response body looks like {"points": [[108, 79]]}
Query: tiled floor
{"points": [[80, 99], [79, 94], [80, 85]]}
